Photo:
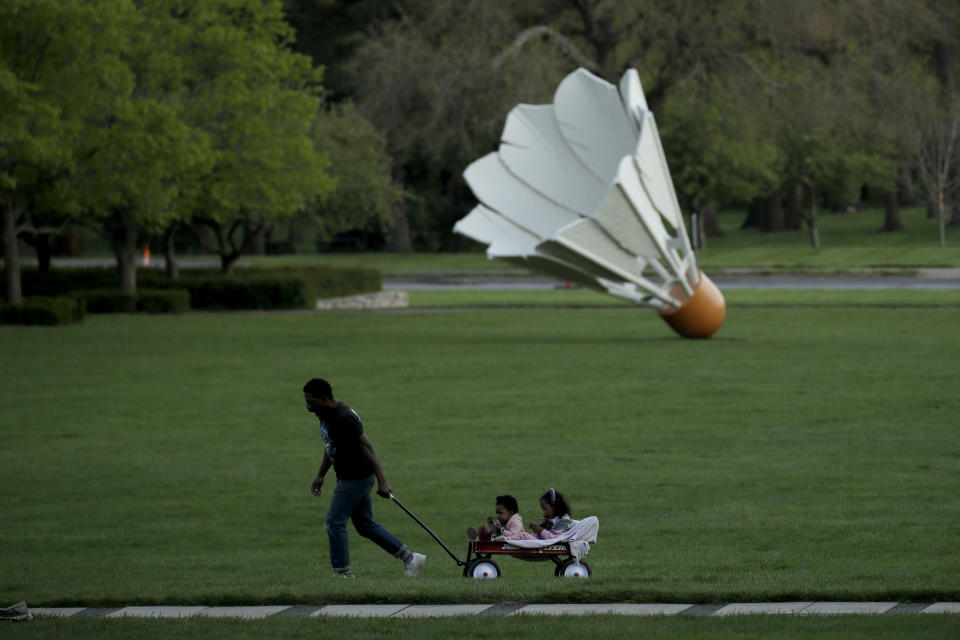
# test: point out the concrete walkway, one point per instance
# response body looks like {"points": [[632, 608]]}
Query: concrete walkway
{"points": [[434, 610]]}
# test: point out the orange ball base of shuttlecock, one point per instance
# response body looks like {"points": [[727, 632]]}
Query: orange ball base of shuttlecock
{"points": [[702, 314]]}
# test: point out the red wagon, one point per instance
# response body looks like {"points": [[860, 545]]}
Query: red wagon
{"points": [[480, 562]]}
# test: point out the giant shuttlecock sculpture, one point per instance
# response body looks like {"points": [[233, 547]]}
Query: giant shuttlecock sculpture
{"points": [[580, 190]]}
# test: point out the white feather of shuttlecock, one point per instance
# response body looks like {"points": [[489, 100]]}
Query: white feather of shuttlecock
{"points": [[580, 190]]}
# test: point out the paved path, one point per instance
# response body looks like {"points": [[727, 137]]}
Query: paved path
{"points": [[433, 610]]}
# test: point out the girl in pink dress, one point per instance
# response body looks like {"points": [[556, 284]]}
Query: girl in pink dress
{"points": [[556, 518], [507, 523]]}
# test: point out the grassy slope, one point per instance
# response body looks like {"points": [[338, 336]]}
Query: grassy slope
{"points": [[804, 452]]}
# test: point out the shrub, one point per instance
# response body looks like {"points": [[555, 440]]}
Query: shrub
{"points": [[326, 281], [146, 300], [49, 311], [106, 301], [61, 282], [263, 292], [163, 301], [294, 287], [269, 288]]}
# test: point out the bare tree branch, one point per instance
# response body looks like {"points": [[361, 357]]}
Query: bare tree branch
{"points": [[742, 57], [565, 46], [28, 228]]}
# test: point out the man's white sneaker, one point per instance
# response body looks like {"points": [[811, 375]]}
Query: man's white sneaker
{"points": [[415, 566]]}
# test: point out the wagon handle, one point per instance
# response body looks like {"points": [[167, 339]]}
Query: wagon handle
{"points": [[459, 562]]}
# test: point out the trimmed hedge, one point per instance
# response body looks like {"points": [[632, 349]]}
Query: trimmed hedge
{"points": [[248, 288], [61, 282], [326, 281], [145, 301], [48, 311], [247, 293], [163, 301]]}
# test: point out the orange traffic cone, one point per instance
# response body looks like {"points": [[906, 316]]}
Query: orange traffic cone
{"points": [[146, 256]]}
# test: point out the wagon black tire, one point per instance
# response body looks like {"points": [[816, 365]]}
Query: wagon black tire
{"points": [[571, 568], [481, 569]]}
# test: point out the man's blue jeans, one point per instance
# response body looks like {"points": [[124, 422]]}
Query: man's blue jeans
{"points": [[351, 501]]}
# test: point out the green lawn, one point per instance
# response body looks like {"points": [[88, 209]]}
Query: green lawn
{"points": [[495, 628], [807, 451], [585, 298], [849, 242]]}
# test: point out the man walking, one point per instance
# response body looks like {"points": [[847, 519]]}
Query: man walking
{"points": [[356, 464]]}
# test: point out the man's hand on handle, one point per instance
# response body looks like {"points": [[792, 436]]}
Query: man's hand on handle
{"points": [[384, 490]]}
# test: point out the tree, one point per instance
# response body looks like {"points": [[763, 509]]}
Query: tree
{"points": [[365, 192], [934, 112], [58, 60], [140, 155], [938, 157], [783, 103], [256, 99], [717, 154], [426, 79]]}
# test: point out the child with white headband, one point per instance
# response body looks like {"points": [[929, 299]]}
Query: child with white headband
{"points": [[556, 518]]}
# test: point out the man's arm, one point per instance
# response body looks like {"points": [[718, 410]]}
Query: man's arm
{"points": [[317, 487], [384, 489]]}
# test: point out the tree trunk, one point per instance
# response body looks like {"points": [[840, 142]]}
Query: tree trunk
{"points": [[169, 250], [793, 211], [709, 223], [257, 239], [812, 221], [400, 238], [125, 249], [11, 254], [204, 236], [771, 213], [698, 232], [753, 214], [293, 232], [40, 243], [68, 242], [228, 261], [940, 218], [891, 210]]}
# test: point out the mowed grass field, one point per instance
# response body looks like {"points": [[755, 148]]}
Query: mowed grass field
{"points": [[806, 451]]}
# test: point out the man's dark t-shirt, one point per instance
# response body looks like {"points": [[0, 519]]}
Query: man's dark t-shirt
{"points": [[341, 430]]}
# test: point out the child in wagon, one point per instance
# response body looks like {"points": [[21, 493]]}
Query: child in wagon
{"points": [[507, 523], [556, 518]]}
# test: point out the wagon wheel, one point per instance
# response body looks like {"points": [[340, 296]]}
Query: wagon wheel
{"points": [[573, 568], [481, 569]]}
